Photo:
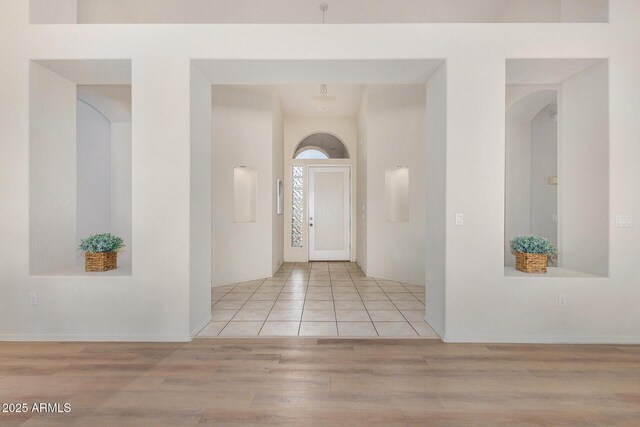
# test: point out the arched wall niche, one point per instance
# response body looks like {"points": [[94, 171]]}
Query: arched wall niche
{"points": [[112, 101], [531, 190], [527, 105]]}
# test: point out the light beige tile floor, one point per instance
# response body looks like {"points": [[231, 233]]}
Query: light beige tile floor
{"points": [[318, 299]]}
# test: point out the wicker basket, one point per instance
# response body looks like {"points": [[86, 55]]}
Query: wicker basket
{"points": [[101, 261], [531, 263]]}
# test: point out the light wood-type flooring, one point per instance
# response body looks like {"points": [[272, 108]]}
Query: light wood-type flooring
{"points": [[322, 382]]}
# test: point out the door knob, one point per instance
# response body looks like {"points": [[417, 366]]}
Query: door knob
{"points": [[310, 225]]}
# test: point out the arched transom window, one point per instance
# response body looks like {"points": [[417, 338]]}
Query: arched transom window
{"points": [[321, 146]]}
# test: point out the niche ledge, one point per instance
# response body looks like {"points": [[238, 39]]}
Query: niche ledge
{"points": [[78, 271], [552, 272]]}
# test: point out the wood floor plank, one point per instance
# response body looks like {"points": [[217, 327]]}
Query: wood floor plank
{"points": [[322, 382], [303, 417]]}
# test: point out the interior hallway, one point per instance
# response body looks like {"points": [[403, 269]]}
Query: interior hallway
{"points": [[319, 299]]}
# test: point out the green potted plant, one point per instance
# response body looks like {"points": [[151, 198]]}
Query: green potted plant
{"points": [[101, 252], [532, 253]]}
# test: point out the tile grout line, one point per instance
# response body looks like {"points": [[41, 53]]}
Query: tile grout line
{"points": [[411, 292], [333, 300], [400, 311], [227, 322], [363, 304], [243, 304], [306, 289], [304, 302], [330, 287], [276, 300]]}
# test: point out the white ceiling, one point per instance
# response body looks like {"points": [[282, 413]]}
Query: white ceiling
{"points": [[545, 71], [295, 100], [314, 72], [297, 81]]}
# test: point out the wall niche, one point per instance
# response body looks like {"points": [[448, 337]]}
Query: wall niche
{"points": [[80, 161]]}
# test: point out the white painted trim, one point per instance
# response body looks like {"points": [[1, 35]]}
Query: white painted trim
{"points": [[400, 281], [217, 285], [364, 270], [561, 339], [201, 327], [95, 338], [277, 268]]}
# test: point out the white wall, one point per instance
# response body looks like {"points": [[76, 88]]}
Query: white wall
{"points": [[200, 248], [435, 199], [544, 165], [361, 205], [584, 10], [526, 11], [93, 174], [341, 11], [584, 172], [396, 136], [555, 11], [517, 183], [53, 11], [277, 232], [110, 306], [121, 203], [242, 123], [481, 303], [295, 130], [52, 173]]}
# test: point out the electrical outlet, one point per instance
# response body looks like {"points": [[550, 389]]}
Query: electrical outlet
{"points": [[459, 219], [624, 221], [33, 298], [562, 301]]}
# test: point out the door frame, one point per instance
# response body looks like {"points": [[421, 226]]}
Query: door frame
{"points": [[348, 213]]}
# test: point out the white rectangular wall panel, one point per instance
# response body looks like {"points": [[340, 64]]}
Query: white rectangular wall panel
{"points": [[244, 194], [397, 194]]}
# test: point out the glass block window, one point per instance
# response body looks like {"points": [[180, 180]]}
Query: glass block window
{"points": [[297, 206]]}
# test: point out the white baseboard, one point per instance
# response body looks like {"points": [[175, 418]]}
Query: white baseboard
{"points": [[489, 339], [217, 285], [277, 268], [398, 280], [95, 338], [201, 327], [364, 270]]}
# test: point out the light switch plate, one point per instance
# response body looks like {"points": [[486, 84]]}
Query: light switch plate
{"points": [[624, 221], [459, 219]]}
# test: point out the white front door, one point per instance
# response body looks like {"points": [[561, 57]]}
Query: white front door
{"points": [[329, 213]]}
